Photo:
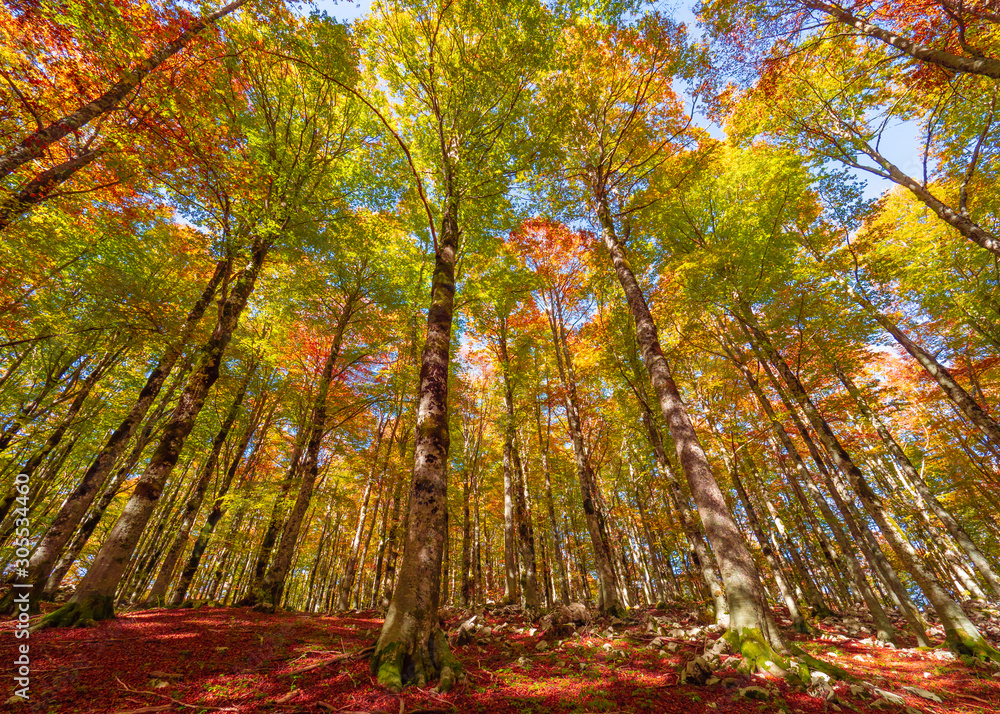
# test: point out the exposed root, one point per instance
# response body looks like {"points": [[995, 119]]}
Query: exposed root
{"points": [[971, 647], [818, 665], [80, 613], [395, 665], [758, 654]]}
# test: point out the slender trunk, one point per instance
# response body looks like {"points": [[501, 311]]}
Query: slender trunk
{"points": [[881, 568], [515, 511], [769, 554], [959, 630], [56, 436], [272, 586], [750, 618], [39, 188], [557, 546], [974, 412], [470, 486], [347, 580], [75, 506], [609, 599], [93, 598], [193, 505], [916, 480], [884, 628]]}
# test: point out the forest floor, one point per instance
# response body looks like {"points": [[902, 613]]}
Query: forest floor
{"points": [[235, 660]]}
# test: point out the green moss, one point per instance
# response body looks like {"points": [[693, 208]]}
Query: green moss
{"points": [[82, 613], [450, 669], [974, 647], [394, 666], [757, 652], [819, 665], [387, 666]]}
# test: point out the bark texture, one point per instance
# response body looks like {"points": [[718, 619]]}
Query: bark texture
{"points": [[95, 593], [751, 627], [411, 647]]}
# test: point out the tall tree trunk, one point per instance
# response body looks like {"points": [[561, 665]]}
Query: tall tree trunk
{"points": [[411, 646], [557, 547], [960, 633], [350, 568], [76, 504], [752, 629], [52, 441], [863, 539], [272, 586], [516, 533], [691, 526], [885, 630], [769, 554], [94, 594], [470, 485], [31, 410], [973, 411], [193, 505], [609, 598]]}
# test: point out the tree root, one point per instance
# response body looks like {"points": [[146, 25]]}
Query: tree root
{"points": [[971, 647], [395, 665], [795, 666], [82, 613], [758, 654], [831, 670]]}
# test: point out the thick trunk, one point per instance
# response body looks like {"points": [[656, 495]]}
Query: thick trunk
{"points": [[35, 145], [77, 503], [94, 594], [411, 646], [691, 526], [751, 625]]}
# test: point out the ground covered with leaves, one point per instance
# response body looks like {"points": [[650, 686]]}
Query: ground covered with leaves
{"points": [[231, 659]]}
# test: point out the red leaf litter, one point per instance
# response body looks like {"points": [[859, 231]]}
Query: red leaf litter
{"points": [[236, 660]]}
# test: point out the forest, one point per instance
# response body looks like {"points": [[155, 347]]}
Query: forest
{"points": [[500, 356]]}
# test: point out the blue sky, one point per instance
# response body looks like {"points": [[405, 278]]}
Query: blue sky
{"points": [[900, 144]]}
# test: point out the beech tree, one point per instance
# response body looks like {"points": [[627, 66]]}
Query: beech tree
{"points": [[460, 309]]}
